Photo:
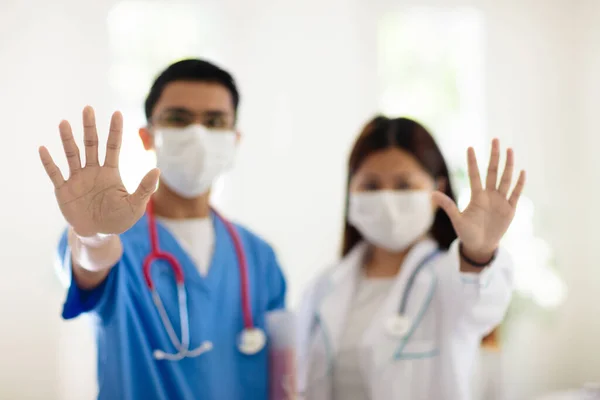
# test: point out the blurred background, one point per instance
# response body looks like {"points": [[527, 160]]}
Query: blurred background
{"points": [[311, 72]]}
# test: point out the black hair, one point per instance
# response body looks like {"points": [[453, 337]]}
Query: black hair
{"points": [[191, 70]]}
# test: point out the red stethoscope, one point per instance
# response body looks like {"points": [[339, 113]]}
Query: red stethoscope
{"points": [[251, 340]]}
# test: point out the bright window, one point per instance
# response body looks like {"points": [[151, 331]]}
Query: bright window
{"points": [[431, 68], [145, 37]]}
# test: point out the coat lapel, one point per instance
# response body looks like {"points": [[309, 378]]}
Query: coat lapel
{"points": [[334, 306]]}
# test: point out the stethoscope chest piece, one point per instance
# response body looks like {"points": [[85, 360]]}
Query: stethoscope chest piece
{"points": [[252, 341], [397, 326]]}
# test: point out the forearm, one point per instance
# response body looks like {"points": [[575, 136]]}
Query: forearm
{"points": [[93, 257], [475, 297]]}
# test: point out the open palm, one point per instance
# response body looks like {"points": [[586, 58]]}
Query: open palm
{"points": [[490, 211], [94, 200]]}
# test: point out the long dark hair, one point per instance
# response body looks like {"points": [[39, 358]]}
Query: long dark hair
{"points": [[382, 133]]}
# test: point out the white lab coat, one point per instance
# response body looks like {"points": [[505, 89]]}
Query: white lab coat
{"points": [[450, 312]]}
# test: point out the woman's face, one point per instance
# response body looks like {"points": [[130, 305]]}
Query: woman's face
{"points": [[392, 169]]}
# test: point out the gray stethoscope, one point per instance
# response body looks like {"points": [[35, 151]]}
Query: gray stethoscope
{"points": [[397, 325]]}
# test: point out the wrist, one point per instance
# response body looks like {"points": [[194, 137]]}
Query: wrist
{"points": [[477, 258], [94, 253], [92, 239]]}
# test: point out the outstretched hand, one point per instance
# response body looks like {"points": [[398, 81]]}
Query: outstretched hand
{"points": [[94, 200], [490, 211]]}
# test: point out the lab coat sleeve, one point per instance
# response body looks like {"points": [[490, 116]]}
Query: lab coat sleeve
{"points": [[475, 302], [277, 284], [79, 301]]}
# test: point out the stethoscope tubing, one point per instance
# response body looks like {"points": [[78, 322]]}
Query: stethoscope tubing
{"points": [[318, 325], [157, 254]]}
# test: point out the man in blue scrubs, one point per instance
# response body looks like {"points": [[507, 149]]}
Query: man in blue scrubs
{"points": [[191, 111]]}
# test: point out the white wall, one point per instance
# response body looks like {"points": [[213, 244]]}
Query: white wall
{"points": [[583, 207], [51, 65], [532, 66], [307, 74]]}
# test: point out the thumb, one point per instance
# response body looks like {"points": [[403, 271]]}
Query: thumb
{"points": [[448, 205], [145, 189]]}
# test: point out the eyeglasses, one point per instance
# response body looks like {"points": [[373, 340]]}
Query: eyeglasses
{"points": [[181, 117]]}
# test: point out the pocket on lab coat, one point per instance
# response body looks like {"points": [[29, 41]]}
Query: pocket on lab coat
{"points": [[409, 374], [315, 377]]}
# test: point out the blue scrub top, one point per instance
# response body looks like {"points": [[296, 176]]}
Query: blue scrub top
{"points": [[129, 328]]}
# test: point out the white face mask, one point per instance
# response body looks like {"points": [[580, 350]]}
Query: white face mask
{"points": [[392, 220], [191, 158]]}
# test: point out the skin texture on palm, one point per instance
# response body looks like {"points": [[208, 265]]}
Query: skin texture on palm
{"points": [[94, 200], [489, 213]]}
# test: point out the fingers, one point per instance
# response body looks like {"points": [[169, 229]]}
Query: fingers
{"points": [[113, 144], [474, 177], [90, 137], [507, 174], [71, 149], [145, 189], [492, 174], [51, 169], [448, 205], [516, 193]]}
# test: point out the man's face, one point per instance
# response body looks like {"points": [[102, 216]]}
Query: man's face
{"points": [[184, 103]]}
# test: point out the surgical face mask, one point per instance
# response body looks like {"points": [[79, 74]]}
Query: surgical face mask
{"points": [[392, 220], [191, 158]]}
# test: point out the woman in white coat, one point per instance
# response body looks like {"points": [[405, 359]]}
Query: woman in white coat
{"points": [[402, 315]]}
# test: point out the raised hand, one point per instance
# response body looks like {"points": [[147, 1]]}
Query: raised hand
{"points": [[94, 200], [489, 213]]}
